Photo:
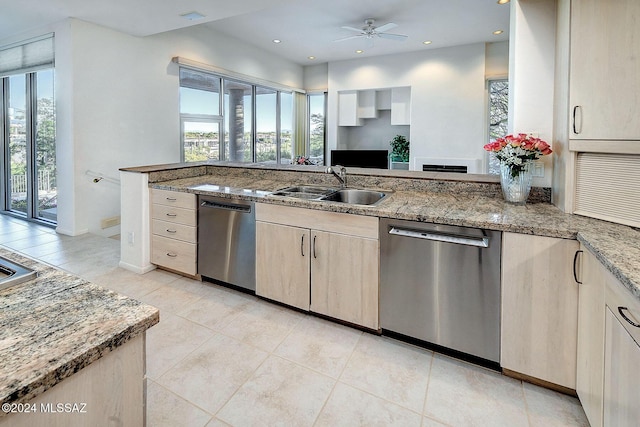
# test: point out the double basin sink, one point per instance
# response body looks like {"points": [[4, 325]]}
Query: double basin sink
{"points": [[353, 196]]}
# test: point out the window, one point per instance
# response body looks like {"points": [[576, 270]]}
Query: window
{"points": [[27, 131], [316, 126], [498, 117], [249, 123]]}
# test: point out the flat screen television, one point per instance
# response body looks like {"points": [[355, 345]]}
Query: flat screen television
{"points": [[361, 158]]}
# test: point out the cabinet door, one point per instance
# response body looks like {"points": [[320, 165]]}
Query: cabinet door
{"points": [[348, 109], [282, 264], [605, 86], [539, 308], [344, 278], [589, 380], [622, 377]]}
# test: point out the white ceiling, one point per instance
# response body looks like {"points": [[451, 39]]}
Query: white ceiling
{"points": [[305, 27]]}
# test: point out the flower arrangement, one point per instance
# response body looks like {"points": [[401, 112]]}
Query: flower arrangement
{"points": [[517, 151], [301, 160]]}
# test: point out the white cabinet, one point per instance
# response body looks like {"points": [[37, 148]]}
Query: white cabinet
{"points": [[321, 261], [589, 375], [608, 348], [356, 105], [539, 308], [401, 106], [604, 82], [174, 231], [348, 109]]}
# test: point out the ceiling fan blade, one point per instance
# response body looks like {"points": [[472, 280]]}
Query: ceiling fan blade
{"points": [[348, 38], [385, 27], [398, 37], [359, 30]]}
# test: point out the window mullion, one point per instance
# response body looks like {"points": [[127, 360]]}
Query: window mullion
{"points": [[32, 179]]}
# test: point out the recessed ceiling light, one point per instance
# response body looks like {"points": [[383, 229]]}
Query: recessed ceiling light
{"points": [[503, 1], [359, 51], [276, 41], [311, 57], [497, 32], [192, 16], [427, 42]]}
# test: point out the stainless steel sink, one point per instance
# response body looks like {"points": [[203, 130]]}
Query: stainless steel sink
{"points": [[355, 196], [309, 192], [12, 273]]}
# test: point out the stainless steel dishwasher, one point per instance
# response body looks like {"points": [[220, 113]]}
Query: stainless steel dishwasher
{"points": [[227, 241], [440, 285]]}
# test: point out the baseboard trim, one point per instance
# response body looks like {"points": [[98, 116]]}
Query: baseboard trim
{"points": [[135, 268], [539, 382], [71, 232]]}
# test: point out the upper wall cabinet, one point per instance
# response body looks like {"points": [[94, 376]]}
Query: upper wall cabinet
{"points": [[605, 70], [356, 105]]}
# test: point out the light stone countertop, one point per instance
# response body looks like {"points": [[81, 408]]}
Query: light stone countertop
{"points": [[56, 324], [463, 204]]}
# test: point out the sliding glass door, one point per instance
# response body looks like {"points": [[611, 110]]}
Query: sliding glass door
{"points": [[28, 145]]}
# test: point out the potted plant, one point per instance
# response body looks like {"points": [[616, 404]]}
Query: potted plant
{"points": [[399, 149]]}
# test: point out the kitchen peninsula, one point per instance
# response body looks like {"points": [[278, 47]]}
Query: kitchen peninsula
{"points": [[71, 352], [549, 261]]}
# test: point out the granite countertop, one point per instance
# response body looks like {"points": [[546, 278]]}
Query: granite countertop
{"points": [[615, 245], [56, 324]]}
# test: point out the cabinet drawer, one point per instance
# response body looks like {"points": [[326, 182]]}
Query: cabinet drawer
{"points": [[623, 304], [174, 254], [332, 222], [171, 230], [173, 198], [174, 214]]}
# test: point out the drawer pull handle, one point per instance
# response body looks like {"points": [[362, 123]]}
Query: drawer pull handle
{"points": [[314, 246], [302, 245], [171, 199], [172, 214], [171, 231], [171, 254], [637, 325], [575, 273]]}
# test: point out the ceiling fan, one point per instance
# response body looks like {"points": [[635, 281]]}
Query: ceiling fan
{"points": [[371, 32]]}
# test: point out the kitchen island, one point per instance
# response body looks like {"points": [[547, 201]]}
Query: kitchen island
{"points": [[71, 352]]}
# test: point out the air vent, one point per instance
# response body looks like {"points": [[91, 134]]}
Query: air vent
{"points": [[444, 168]]}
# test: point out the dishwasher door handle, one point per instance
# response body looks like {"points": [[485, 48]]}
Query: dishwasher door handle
{"points": [[482, 242], [227, 206]]}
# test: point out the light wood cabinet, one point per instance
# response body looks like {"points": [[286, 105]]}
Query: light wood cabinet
{"points": [[174, 230], [109, 391], [282, 264], [321, 261], [589, 375], [621, 406], [344, 272], [539, 308], [604, 83], [608, 348]]}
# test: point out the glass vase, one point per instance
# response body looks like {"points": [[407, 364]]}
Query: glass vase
{"points": [[516, 184]]}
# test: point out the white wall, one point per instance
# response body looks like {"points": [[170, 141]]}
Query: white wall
{"points": [[448, 113], [316, 77], [531, 73], [117, 102]]}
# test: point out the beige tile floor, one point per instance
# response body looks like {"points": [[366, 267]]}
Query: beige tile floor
{"points": [[219, 357]]}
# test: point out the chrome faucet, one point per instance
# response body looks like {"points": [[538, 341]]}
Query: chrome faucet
{"points": [[342, 176]]}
